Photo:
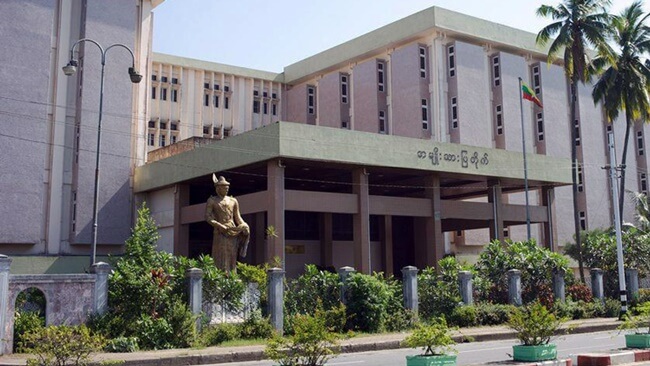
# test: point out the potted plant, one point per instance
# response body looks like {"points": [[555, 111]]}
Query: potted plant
{"points": [[640, 338], [435, 339], [535, 325]]}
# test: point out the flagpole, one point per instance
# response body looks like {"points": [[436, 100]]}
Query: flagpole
{"points": [[523, 143]]}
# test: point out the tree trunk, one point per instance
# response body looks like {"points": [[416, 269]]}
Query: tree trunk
{"points": [[574, 177], [621, 194]]}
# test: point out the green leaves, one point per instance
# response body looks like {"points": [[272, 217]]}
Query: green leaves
{"points": [[434, 338], [62, 345], [534, 324]]}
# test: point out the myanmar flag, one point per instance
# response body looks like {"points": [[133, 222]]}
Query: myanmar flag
{"points": [[529, 94]]}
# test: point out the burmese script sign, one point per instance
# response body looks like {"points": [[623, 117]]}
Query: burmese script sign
{"points": [[466, 159]]}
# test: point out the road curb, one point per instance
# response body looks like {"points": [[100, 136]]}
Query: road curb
{"points": [[615, 358]]}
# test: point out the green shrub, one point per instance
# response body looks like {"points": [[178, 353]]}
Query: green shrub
{"points": [[439, 292], [493, 314], [217, 334], [464, 316], [62, 345], [122, 345], [612, 308], [26, 322], [434, 339], [579, 292], [312, 290], [367, 300], [256, 327], [644, 295], [534, 324]]}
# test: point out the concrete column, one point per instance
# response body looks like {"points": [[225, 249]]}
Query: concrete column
{"points": [[558, 284], [259, 234], [326, 241], [466, 287], [5, 264], [181, 231], [597, 283], [100, 294], [514, 287], [410, 288], [344, 273], [387, 244], [361, 221], [276, 298], [194, 278], [275, 204], [548, 229], [495, 197], [632, 282], [431, 251]]}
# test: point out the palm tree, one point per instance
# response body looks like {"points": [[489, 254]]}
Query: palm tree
{"points": [[624, 84], [578, 25]]}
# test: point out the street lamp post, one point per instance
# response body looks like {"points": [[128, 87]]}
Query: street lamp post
{"points": [[69, 70]]}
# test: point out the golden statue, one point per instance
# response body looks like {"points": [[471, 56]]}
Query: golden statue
{"points": [[231, 233]]}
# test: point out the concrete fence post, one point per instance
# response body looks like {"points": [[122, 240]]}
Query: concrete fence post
{"points": [[100, 294], [194, 278], [514, 287], [410, 288], [466, 287], [276, 298], [344, 273], [558, 284], [597, 283], [5, 264], [632, 281]]}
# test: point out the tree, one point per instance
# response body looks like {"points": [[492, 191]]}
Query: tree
{"points": [[579, 25], [624, 84]]}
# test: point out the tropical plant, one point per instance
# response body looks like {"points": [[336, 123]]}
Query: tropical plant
{"points": [[642, 208], [434, 338], [438, 291], [367, 301], [534, 324], [624, 84], [577, 26], [59, 345], [639, 322]]}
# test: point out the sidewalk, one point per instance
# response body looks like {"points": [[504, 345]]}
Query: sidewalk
{"points": [[209, 355]]}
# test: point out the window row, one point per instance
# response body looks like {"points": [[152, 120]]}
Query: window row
{"points": [[173, 126], [163, 79], [162, 139], [215, 101], [163, 93]]}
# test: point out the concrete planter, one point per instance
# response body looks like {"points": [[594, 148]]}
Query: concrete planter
{"points": [[435, 360], [641, 340], [534, 353]]}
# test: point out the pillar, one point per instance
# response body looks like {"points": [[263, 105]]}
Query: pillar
{"points": [[558, 284], [410, 288], [495, 197], [550, 236], [361, 221], [514, 287], [433, 248], [100, 294], [597, 283], [326, 240], [632, 282], [181, 231], [5, 264], [275, 213], [194, 278], [259, 228], [466, 287], [276, 298], [344, 273]]}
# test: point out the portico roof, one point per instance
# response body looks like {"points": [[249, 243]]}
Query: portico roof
{"points": [[325, 144]]}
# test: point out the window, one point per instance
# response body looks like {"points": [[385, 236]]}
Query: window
{"points": [[425, 114], [581, 186], [274, 109], [216, 101], [576, 126], [643, 182], [459, 233], [344, 88], [173, 126], [344, 124], [174, 80], [496, 71], [506, 232], [152, 138], [153, 92], [216, 86], [74, 210], [265, 108], [174, 95], [451, 61], [423, 62], [154, 77], [609, 128], [454, 112], [163, 125], [163, 93], [206, 85], [583, 221], [215, 131], [226, 103], [380, 76], [256, 93], [206, 100], [265, 94], [206, 130], [498, 119], [226, 132], [311, 101], [537, 85], [152, 124], [639, 143], [226, 88], [540, 126], [173, 139], [256, 106], [382, 122], [164, 80], [274, 95], [162, 140]]}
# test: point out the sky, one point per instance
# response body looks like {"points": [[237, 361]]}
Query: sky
{"points": [[271, 34]]}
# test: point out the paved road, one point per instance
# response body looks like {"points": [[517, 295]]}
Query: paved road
{"points": [[473, 353]]}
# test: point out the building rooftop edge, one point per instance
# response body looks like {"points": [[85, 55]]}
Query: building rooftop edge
{"points": [[216, 67]]}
